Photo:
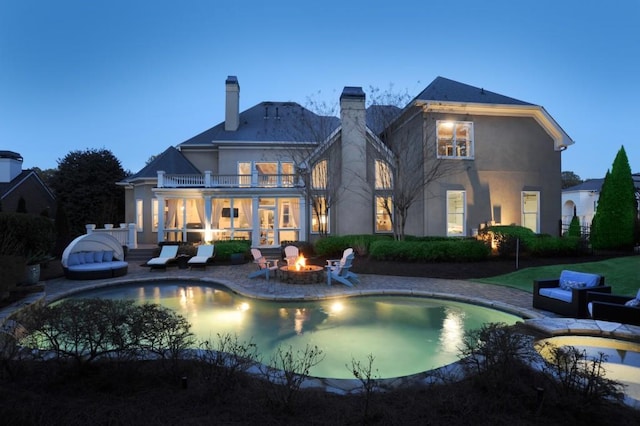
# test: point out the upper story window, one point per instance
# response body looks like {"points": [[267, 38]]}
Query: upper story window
{"points": [[455, 139], [384, 178], [319, 175]]}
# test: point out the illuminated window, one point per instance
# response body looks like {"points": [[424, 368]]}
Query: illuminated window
{"points": [[319, 216], [383, 175], [154, 213], [384, 210], [288, 176], [319, 175], [531, 210], [139, 215], [456, 212], [455, 139]]}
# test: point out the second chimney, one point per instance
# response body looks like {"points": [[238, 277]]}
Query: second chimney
{"points": [[232, 104]]}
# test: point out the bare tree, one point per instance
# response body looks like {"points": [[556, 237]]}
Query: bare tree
{"points": [[316, 158], [414, 163]]}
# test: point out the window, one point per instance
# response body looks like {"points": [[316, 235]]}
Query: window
{"points": [[139, 215], [288, 176], [154, 213], [456, 212], [244, 170], [455, 139], [384, 210], [384, 178], [530, 210], [319, 215], [319, 175]]}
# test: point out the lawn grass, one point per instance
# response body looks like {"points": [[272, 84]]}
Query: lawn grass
{"points": [[622, 274]]}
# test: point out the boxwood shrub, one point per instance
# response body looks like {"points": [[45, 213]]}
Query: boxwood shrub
{"points": [[447, 250], [335, 245], [224, 249]]}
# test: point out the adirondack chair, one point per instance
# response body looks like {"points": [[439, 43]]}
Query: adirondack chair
{"points": [[291, 254], [341, 272], [265, 266]]}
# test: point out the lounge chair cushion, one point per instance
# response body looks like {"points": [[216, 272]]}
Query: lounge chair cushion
{"points": [[573, 279], [557, 293]]}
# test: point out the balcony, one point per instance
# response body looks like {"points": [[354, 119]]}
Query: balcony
{"points": [[209, 180]]}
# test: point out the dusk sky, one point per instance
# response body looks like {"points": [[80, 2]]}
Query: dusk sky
{"points": [[136, 77]]}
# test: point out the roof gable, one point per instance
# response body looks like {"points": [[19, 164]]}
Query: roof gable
{"points": [[170, 161], [445, 90]]}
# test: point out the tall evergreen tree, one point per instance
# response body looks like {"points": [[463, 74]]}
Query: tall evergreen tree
{"points": [[613, 225]]}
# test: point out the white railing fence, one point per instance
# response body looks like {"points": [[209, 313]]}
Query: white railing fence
{"points": [[126, 234]]}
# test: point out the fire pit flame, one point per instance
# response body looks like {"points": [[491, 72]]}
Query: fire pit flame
{"points": [[301, 263]]}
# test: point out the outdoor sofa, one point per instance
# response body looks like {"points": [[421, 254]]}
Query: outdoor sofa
{"points": [[614, 308], [567, 295], [94, 256]]}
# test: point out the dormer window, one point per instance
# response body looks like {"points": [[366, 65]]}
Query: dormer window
{"points": [[455, 139]]}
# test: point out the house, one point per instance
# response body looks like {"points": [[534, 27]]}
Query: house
{"points": [[582, 200], [279, 172], [17, 184]]}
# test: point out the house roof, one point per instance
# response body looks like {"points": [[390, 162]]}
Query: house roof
{"points": [[445, 90], [170, 161], [271, 122], [7, 187], [587, 185]]}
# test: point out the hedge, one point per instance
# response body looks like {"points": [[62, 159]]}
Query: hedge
{"points": [[450, 250]]}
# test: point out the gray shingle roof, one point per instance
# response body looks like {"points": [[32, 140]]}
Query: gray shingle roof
{"points": [[445, 90], [587, 185], [171, 161], [271, 122]]}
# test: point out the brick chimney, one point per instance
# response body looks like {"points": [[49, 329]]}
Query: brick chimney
{"points": [[232, 104]]}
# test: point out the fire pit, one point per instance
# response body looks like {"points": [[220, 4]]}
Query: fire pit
{"points": [[301, 273], [308, 274]]}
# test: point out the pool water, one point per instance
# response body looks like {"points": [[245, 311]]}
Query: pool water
{"points": [[622, 359], [405, 335]]}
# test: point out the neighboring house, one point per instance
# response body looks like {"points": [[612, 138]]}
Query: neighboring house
{"points": [[582, 200], [278, 172], [16, 183]]}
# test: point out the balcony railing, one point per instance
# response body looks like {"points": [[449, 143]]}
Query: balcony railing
{"points": [[209, 180]]}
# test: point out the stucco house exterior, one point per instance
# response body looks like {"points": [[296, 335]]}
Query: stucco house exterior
{"points": [[16, 183], [278, 172]]}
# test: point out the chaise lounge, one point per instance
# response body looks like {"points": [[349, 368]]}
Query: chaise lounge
{"points": [[168, 255], [567, 295], [94, 256]]}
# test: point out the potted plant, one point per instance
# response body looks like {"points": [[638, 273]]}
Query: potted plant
{"points": [[32, 273]]}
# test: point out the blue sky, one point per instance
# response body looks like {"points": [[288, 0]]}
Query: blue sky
{"points": [[136, 77]]}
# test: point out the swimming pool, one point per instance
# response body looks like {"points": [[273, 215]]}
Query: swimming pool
{"points": [[406, 335]]}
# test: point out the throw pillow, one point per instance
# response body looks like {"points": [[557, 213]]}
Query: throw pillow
{"points": [[634, 303], [73, 259], [88, 257], [97, 256], [107, 256]]}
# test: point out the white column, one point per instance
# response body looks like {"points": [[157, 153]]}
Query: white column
{"points": [[161, 206]]}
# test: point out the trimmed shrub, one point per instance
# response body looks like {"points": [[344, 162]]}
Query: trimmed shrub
{"points": [[451, 250], [224, 249], [574, 228], [334, 246]]}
